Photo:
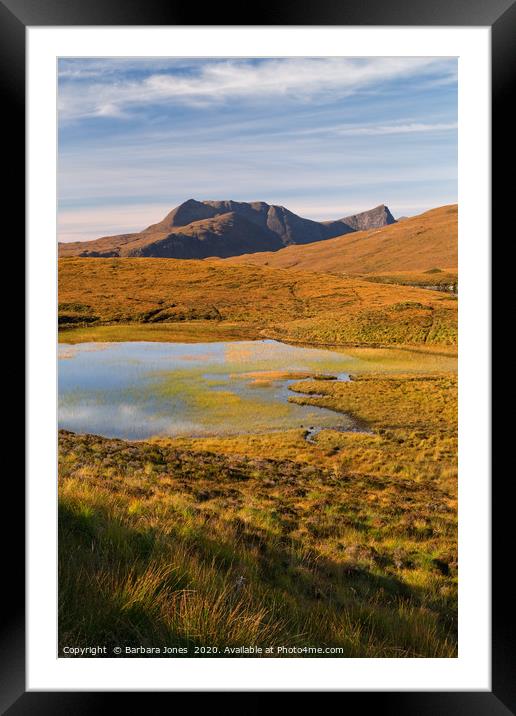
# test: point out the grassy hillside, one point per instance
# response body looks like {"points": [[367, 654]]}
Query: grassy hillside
{"points": [[154, 298], [419, 243], [436, 279], [348, 542]]}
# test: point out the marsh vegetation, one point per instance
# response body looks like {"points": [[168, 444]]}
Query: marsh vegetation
{"points": [[348, 541], [227, 484]]}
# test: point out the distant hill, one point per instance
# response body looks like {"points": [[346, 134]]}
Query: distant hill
{"points": [[203, 229], [418, 243]]}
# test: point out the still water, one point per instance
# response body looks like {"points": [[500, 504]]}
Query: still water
{"points": [[142, 389]]}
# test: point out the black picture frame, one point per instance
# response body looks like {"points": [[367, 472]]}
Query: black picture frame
{"points": [[500, 15]]}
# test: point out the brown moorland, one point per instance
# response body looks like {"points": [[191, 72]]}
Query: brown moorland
{"points": [[435, 279], [266, 302], [419, 243], [348, 542]]}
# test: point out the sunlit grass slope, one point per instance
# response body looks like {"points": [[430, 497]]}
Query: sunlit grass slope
{"points": [[242, 301], [270, 540], [435, 279], [418, 243]]}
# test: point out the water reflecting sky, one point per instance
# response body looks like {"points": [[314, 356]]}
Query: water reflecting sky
{"points": [[136, 390]]}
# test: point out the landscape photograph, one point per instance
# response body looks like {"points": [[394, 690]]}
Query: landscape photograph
{"points": [[257, 330]]}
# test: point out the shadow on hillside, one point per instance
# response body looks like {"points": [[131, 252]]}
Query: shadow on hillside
{"points": [[104, 567]]}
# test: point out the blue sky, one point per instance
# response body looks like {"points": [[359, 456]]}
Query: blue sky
{"points": [[325, 137]]}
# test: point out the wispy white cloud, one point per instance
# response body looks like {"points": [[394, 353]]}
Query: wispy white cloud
{"points": [[397, 129], [325, 137], [299, 79], [85, 68], [181, 177], [372, 130]]}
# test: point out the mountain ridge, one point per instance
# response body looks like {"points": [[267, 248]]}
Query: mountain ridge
{"points": [[224, 228]]}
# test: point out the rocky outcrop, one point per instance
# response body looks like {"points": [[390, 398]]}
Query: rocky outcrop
{"points": [[372, 219]]}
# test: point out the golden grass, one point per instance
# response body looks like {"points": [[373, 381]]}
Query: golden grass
{"points": [[256, 301], [183, 332], [436, 279], [415, 244], [348, 542]]}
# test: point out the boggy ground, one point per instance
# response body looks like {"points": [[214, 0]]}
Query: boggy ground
{"points": [[349, 542]]}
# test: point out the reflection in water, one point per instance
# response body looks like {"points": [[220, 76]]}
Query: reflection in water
{"points": [[136, 390]]}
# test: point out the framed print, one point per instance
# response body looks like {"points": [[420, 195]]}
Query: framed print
{"points": [[258, 354]]}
